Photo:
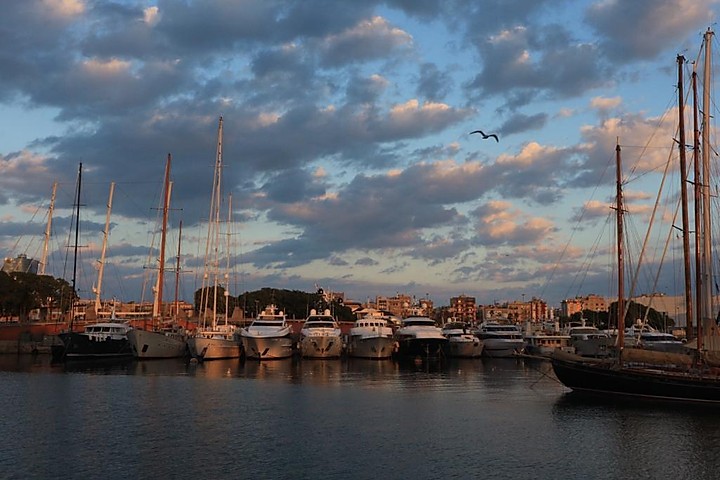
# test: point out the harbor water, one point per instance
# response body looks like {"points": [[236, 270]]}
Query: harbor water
{"points": [[340, 419]]}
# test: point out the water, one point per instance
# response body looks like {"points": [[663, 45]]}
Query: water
{"points": [[336, 419]]}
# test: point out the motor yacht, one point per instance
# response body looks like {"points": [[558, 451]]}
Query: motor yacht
{"points": [[461, 341], [420, 337], [371, 337], [321, 336], [268, 337]]}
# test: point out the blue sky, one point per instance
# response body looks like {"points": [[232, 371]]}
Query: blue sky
{"points": [[346, 147]]}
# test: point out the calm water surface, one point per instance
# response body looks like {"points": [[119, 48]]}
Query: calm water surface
{"points": [[336, 419]]}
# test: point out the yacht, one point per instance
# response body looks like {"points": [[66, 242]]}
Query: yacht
{"points": [[222, 340], [321, 336], [645, 336], [420, 337], [589, 341], [268, 336], [500, 339], [543, 344], [166, 342], [371, 337], [97, 340], [461, 341]]}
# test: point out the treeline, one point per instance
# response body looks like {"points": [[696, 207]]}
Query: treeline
{"points": [[635, 312], [294, 303], [21, 293]]}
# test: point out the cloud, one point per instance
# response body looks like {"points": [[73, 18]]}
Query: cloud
{"points": [[497, 223], [370, 39], [645, 28]]}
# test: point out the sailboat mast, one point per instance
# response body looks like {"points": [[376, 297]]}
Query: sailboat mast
{"points": [[216, 243], [706, 230], [684, 196], [227, 260], [697, 200], [157, 311], [177, 274], [620, 257], [101, 269], [75, 249], [48, 229], [211, 244]]}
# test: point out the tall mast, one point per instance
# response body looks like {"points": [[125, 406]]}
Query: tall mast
{"points": [[48, 229], [697, 190], [75, 249], [706, 314], [684, 196], [620, 258], [157, 310], [177, 274], [211, 256], [227, 261], [101, 268]]}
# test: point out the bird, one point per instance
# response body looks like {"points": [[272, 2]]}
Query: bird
{"points": [[485, 136]]}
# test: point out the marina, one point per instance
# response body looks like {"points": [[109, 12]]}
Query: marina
{"points": [[354, 418]]}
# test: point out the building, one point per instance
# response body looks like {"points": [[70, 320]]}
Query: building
{"points": [[463, 308], [21, 264], [592, 302]]}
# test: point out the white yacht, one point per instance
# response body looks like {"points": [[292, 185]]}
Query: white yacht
{"points": [[169, 342], [216, 337], [461, 341], [321, 336], [420, 337], [268, 336], [371, 337], [589, 341], [500, 339], [645, 336], [221, 340]]}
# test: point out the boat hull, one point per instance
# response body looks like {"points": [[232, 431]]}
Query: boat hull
{"points": [[421, 347], [463, 348], [80, 346], [204, 348], [321, 346], [602, 377], [267, 348], [147, 344], [502, 348], [372, 347]]}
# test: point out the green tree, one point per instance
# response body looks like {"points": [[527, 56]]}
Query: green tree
{"points": [[22, 292]]}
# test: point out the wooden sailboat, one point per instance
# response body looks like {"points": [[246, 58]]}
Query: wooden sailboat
{"points": [[162, 340], [650, 374], [215, 337]]}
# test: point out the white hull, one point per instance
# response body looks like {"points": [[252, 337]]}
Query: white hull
{"points": [[151, 344], [205, 348], [321, 346], [267, 348], [371, 347], [464, 348], [502, 348]]}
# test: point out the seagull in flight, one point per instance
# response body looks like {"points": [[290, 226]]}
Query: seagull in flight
{"points": [[486, 136]]}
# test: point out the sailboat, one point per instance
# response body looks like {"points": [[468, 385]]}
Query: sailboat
{"points": [[97, 340], [660, 375], [215, 338], [162, 340]]}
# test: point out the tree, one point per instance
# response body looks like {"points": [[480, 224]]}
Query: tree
{"points": [[22, 292]]}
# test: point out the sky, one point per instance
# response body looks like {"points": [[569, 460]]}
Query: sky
{"points": [[347, 145]]}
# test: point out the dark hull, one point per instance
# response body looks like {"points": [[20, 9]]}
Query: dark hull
{"points": [[421, 347], [79, 346], [603, 377]]}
